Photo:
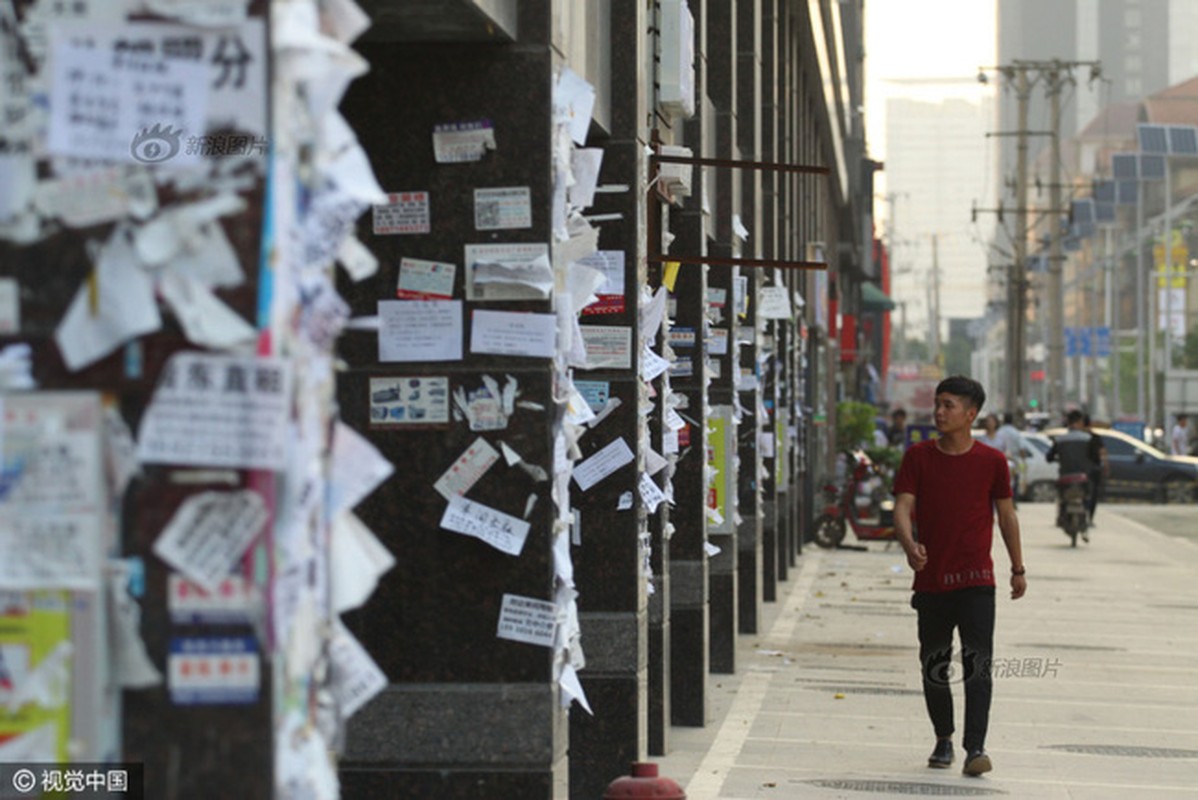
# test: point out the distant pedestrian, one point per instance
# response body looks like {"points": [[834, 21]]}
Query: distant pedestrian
{"points": [[1179, 440], [897, 433], [954, 485]]}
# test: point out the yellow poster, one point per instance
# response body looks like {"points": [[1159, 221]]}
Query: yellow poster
{"points": [[35, 675]]}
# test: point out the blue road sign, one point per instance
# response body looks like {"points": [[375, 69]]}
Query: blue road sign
{"points": [[1102, 341]]}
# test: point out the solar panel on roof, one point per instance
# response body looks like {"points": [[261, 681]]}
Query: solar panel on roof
{"points": [[1104, 191], [1125, 193], [1153, 139], [1183, 140], [1082, 212], [1104, 212], [1152, 167], [1125, 166]]}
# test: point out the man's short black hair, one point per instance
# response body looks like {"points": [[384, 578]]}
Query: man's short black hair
{"points": [[1182, 417], [964, 386], [898, 412], [1074, 416], [1008, 418]]}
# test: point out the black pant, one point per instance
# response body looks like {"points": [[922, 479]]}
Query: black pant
{"points": [[971, 612]]}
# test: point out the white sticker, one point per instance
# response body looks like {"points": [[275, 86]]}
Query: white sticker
{"points": [[403, 213], [420, 330], [603, 463], [425, 280], [527, 619], [502, 208], [219, 411], [209, 534], [467, 470], [456, 142]]}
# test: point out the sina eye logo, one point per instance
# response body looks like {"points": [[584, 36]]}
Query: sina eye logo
{"points": [[155, 145]]}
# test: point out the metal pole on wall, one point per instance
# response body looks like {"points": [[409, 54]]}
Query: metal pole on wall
{"points": [[1160, 420], [1111, 319]]}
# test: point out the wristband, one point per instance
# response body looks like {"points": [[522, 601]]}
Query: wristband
{"points": [[1018, 572]]}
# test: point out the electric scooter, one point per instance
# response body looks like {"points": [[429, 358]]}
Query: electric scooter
{"points": [[859, 502]]}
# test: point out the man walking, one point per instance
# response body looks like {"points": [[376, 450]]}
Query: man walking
{"points": [[1179, 438], [954, 486]]}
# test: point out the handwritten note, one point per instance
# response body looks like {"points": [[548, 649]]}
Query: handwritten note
{"points": [[502, 531], [603, 463]]}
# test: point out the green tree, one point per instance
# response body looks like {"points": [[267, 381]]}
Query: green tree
{"points": [[854, 424]]}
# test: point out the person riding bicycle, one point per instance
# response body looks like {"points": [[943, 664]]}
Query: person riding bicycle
{"points": [[1078, 453]]}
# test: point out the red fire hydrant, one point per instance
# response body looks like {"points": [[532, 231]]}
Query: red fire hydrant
{"points": [[644, 782]]}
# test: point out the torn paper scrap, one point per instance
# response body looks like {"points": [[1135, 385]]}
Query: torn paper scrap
{"points": [[572, 689], [219, 411], [47, 685], [403, 213], [210, 532], [531, 279], [467, 470], [357, 259], [115, 305], [502, 531], [356, 562], [204, 318], [625, 501], [527, 619], [356, 678], [651, 493], [357, 469], [603, 463], [132, 665]]}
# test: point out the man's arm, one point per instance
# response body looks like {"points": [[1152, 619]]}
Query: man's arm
{"points": [[1008, 524], [917, 555]]}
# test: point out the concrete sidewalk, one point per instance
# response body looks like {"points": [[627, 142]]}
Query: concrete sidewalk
{"points": [[1095, 690]]}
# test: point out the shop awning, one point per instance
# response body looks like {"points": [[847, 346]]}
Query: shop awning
{"points": [[874, 299]]}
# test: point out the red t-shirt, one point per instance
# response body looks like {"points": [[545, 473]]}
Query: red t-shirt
{"points": [[954, 511]]}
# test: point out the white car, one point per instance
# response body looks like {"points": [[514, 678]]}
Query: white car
{"points": [[1040, 477], [1038, 483]]}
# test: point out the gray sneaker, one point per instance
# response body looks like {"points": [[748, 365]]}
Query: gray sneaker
{"points": [[976, 763]]}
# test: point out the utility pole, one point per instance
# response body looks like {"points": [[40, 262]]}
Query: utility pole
{"points": [[1056, 295], [1020, 72], [934, 303], [1017, 283]]}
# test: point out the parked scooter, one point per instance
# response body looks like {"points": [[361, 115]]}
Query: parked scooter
{"points": [[859, 501], [1072, 516]]}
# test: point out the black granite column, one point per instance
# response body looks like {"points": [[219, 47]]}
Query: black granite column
{"points": [[688, 568], [723, 202], [466, 714], [609, 559]]}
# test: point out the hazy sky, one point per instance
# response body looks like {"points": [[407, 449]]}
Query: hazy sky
{"points": [[928, 50], [912, 39]]}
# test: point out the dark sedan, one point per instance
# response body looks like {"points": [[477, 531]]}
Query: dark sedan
{"points": [[1141, 472]]}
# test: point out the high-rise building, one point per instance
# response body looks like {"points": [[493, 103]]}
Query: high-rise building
{"points": [[937, 170], [1143, 46]]}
